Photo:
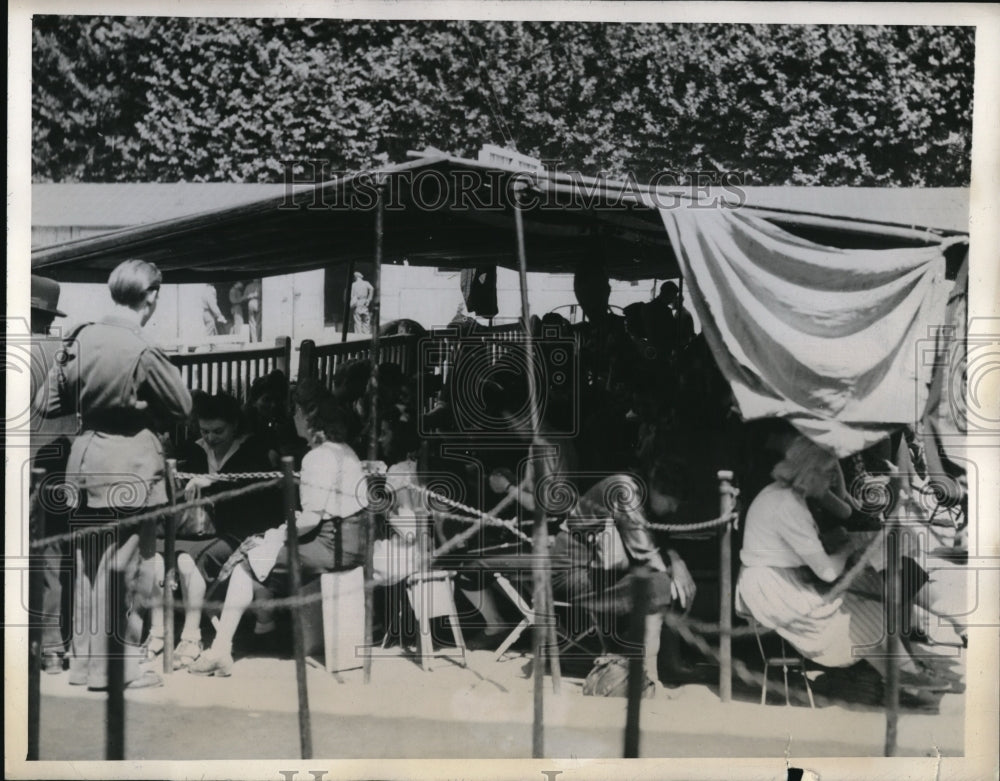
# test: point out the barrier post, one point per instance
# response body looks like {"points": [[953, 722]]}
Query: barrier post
{"points": [[726, 503], [37, 525], [114, 738], [375, 315], [292, 542], [169, 568], [637, 662], [893, 626]]}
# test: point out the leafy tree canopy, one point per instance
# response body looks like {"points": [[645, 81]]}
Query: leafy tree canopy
{"points": [[178, 99]]}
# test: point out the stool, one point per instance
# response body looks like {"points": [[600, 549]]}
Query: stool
{"points": [[785, 660], [342, 599], [431, 595]]}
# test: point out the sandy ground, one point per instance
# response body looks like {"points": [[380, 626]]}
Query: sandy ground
{"points": [[484, 710]]}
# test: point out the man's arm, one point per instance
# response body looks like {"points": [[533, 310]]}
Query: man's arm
{"points": [[164, 384]]}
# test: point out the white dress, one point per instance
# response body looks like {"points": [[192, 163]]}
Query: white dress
{"points": [[782, 559]]}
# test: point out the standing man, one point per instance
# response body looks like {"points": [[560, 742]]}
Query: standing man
{"points": [[123, 390], [49, 451], [236, 299], [361, 299], [252, 296], [211, 317]]}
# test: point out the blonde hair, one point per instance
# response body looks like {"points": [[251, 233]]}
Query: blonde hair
{"points": [[803, 464], [132, 280]]}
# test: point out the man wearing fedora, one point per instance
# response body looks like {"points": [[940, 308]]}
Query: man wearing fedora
{"points": [[49, 450]]}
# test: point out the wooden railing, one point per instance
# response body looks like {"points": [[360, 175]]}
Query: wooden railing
{"points": [[434, 352], [322, 361], [232, 371]]}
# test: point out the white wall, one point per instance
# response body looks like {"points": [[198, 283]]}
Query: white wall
{"points": [[292, 305]]}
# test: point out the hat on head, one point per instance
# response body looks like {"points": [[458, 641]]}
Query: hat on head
{"points": [[45, 295]]}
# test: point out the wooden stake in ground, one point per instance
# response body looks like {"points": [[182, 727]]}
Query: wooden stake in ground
{"points": [[374, 316], [295, 576], [726, 503], [637, 662], [169, 569]]}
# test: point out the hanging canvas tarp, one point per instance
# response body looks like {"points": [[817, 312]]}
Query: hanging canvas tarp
{"points": [[826, 338]]}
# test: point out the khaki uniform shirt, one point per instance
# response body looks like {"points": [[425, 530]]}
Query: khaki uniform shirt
{"points": [[123, 390]]}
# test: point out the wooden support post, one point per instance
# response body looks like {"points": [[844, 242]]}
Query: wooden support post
{"points": [[726, 504], [375, 314], [347, 300], [307, 360], [114, 737], [893, 626], [284, 361], [37, 524], [298, 639], [542, 633], [169, 568], [637, 662]]}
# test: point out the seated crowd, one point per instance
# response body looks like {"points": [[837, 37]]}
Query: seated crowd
{"points": [[635, 421]]}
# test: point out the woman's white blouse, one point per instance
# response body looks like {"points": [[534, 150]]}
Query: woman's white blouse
{"points": [[332, 482]]}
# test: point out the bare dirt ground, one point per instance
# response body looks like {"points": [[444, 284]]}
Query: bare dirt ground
{"points": [[482, 711]]}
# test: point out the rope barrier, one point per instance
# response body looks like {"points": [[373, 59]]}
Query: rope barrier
{"points": [[153, 515], [694, 527]]}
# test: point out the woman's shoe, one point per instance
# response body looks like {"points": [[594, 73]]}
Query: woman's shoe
{"points": [[154, 647], [212, 663], [186, 653]]}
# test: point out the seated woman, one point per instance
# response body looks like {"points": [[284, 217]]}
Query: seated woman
{"points": [[331, 529], [786, 571], [222, 449]]}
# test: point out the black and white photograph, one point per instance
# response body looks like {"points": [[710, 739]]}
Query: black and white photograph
{"points": [[518, 390]]}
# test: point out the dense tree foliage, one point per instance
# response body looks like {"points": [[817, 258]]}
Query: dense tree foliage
{"points": [[179, 99]]}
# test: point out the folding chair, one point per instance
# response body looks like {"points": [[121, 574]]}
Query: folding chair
{"points": [[565, 639]]}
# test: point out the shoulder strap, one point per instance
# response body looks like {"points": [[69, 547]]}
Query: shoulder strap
{"points": [[62, 357]]}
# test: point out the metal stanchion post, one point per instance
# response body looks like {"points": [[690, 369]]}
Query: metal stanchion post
{"points": [[893, 626], [37, 525], [169, 569], [114, 746], [292, 542], [637, 663], [726, 588]]}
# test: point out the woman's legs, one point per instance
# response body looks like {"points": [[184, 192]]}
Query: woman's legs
{"points": [[157, 612], [193, 586], [239, 596]]}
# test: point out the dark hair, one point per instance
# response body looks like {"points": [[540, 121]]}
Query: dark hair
{"points": [[274, 384], [405, 438], [669, 290], [219, 407], [329, 417]]}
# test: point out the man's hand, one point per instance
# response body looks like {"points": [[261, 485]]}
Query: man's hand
{"points": [[682, 586]]}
